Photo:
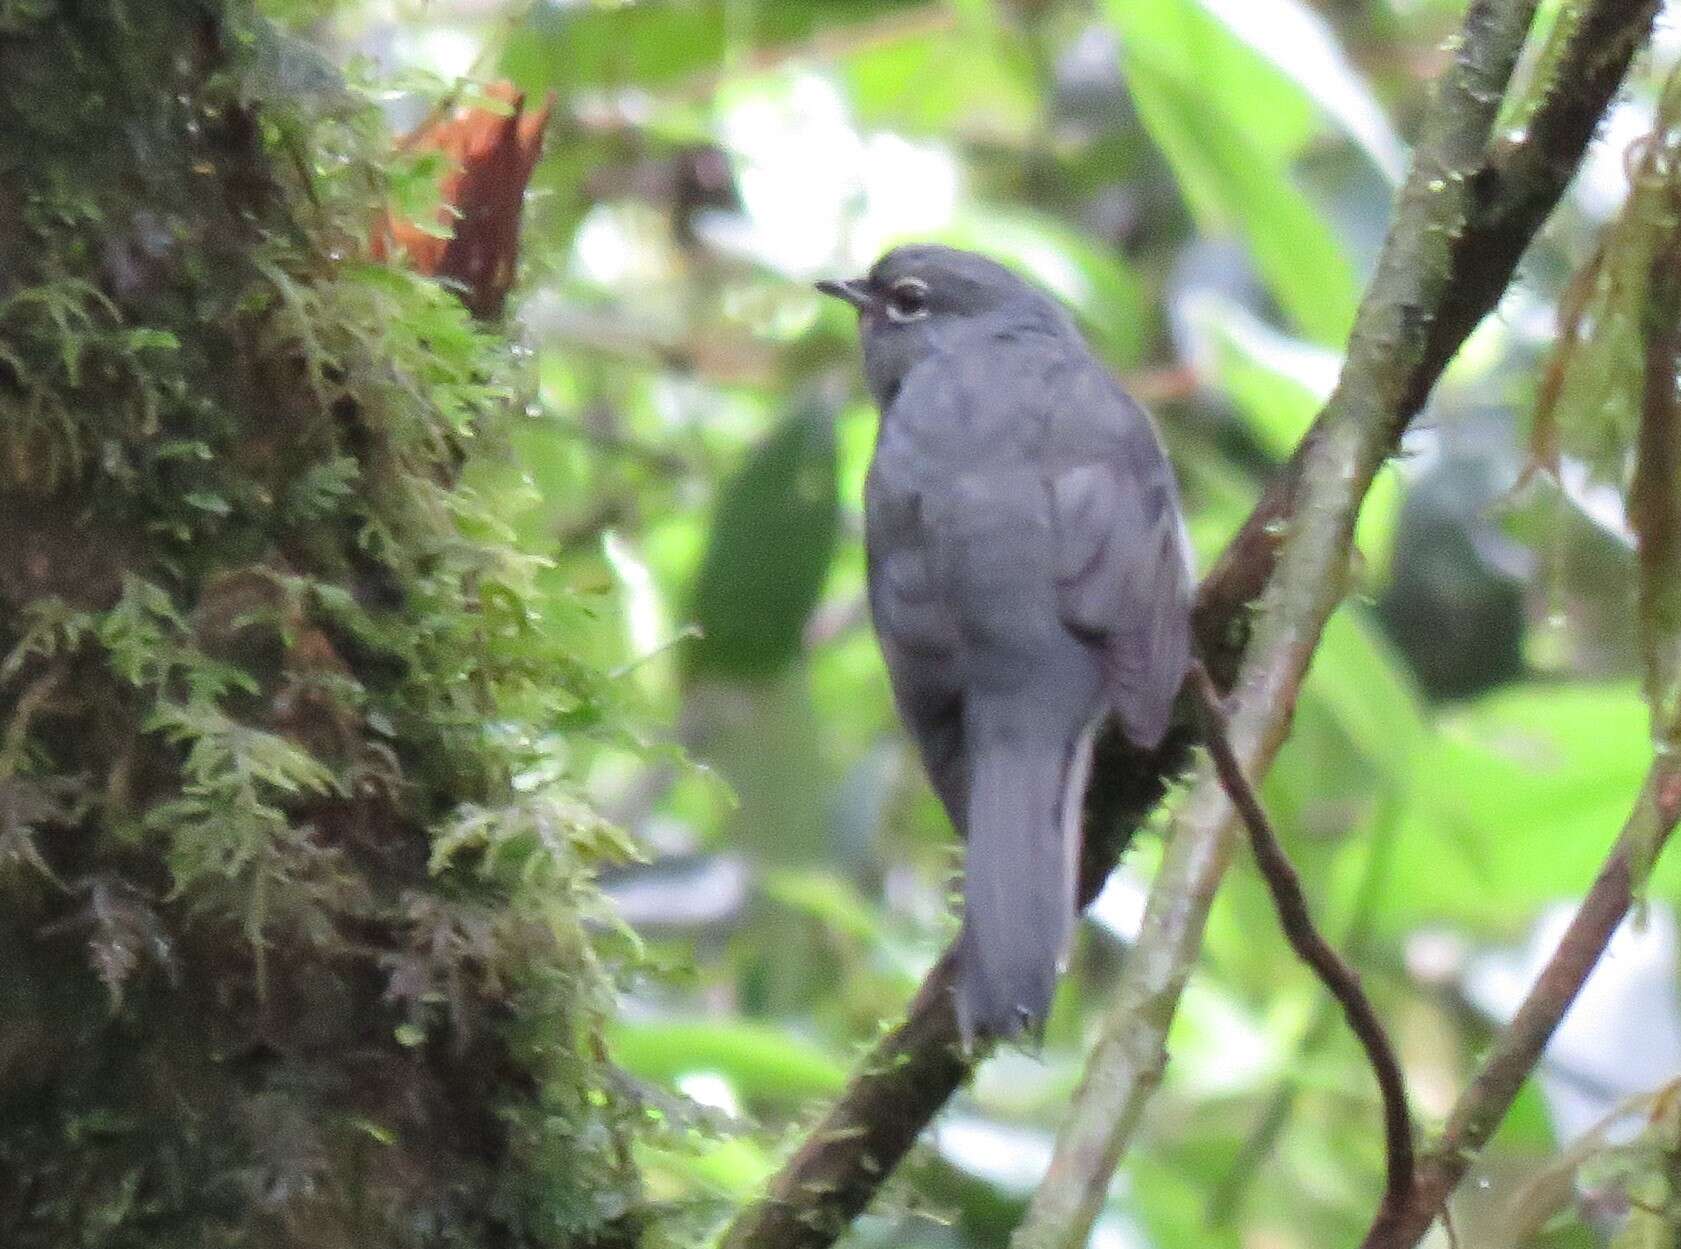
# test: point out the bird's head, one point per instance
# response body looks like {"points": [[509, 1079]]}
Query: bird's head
{"points": [[921, 299]]}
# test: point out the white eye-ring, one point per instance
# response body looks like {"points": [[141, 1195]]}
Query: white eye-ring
{"points": [[907, 300]]}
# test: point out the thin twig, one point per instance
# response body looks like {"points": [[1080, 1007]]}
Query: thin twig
{"points": [[1338, 977], [1228, 1195]]}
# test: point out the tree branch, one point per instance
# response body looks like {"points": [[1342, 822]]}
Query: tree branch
{"points": [[1449, 257]]}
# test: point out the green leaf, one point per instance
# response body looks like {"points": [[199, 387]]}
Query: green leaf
{"points": [[1181, 40], [1277, 382], [1230, 124], [764, 1062], [152, 340], [734, 1168], [827, 898], [205, 501], [1300, 44], [1362, 683], [321, 488], [1517, 800], [768, 555], [658, 43], [645, 44], [936, 85]]}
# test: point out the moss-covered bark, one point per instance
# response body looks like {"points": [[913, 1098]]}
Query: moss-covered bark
{"points": [[286, 956]]}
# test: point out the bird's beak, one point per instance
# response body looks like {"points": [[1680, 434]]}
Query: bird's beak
{"points": [[856, 291]]}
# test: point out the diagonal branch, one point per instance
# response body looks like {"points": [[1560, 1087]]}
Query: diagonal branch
{"points": [[1451, 255]]}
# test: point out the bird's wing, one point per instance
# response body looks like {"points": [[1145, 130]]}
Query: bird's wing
{"points": [[919, 640], [1122, 576]]}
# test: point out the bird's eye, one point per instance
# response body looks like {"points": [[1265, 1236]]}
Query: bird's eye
{"points": [[907, 300]]}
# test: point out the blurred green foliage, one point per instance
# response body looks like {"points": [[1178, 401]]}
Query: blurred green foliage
{"points": [[769, 546], [1204, 181]]}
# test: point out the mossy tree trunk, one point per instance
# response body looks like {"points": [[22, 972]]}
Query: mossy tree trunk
{"points": [[292, 915]]}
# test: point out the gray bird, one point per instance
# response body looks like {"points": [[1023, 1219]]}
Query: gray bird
{"points": [[1027, 578]]}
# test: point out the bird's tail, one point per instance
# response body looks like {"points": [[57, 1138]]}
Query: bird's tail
{"points": [[1018, 890]]}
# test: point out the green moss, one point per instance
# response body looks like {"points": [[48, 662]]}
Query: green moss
{"points": [[286, 955]]}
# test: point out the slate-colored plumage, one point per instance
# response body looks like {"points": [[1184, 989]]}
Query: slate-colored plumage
{"points": [[1027, 578]]}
